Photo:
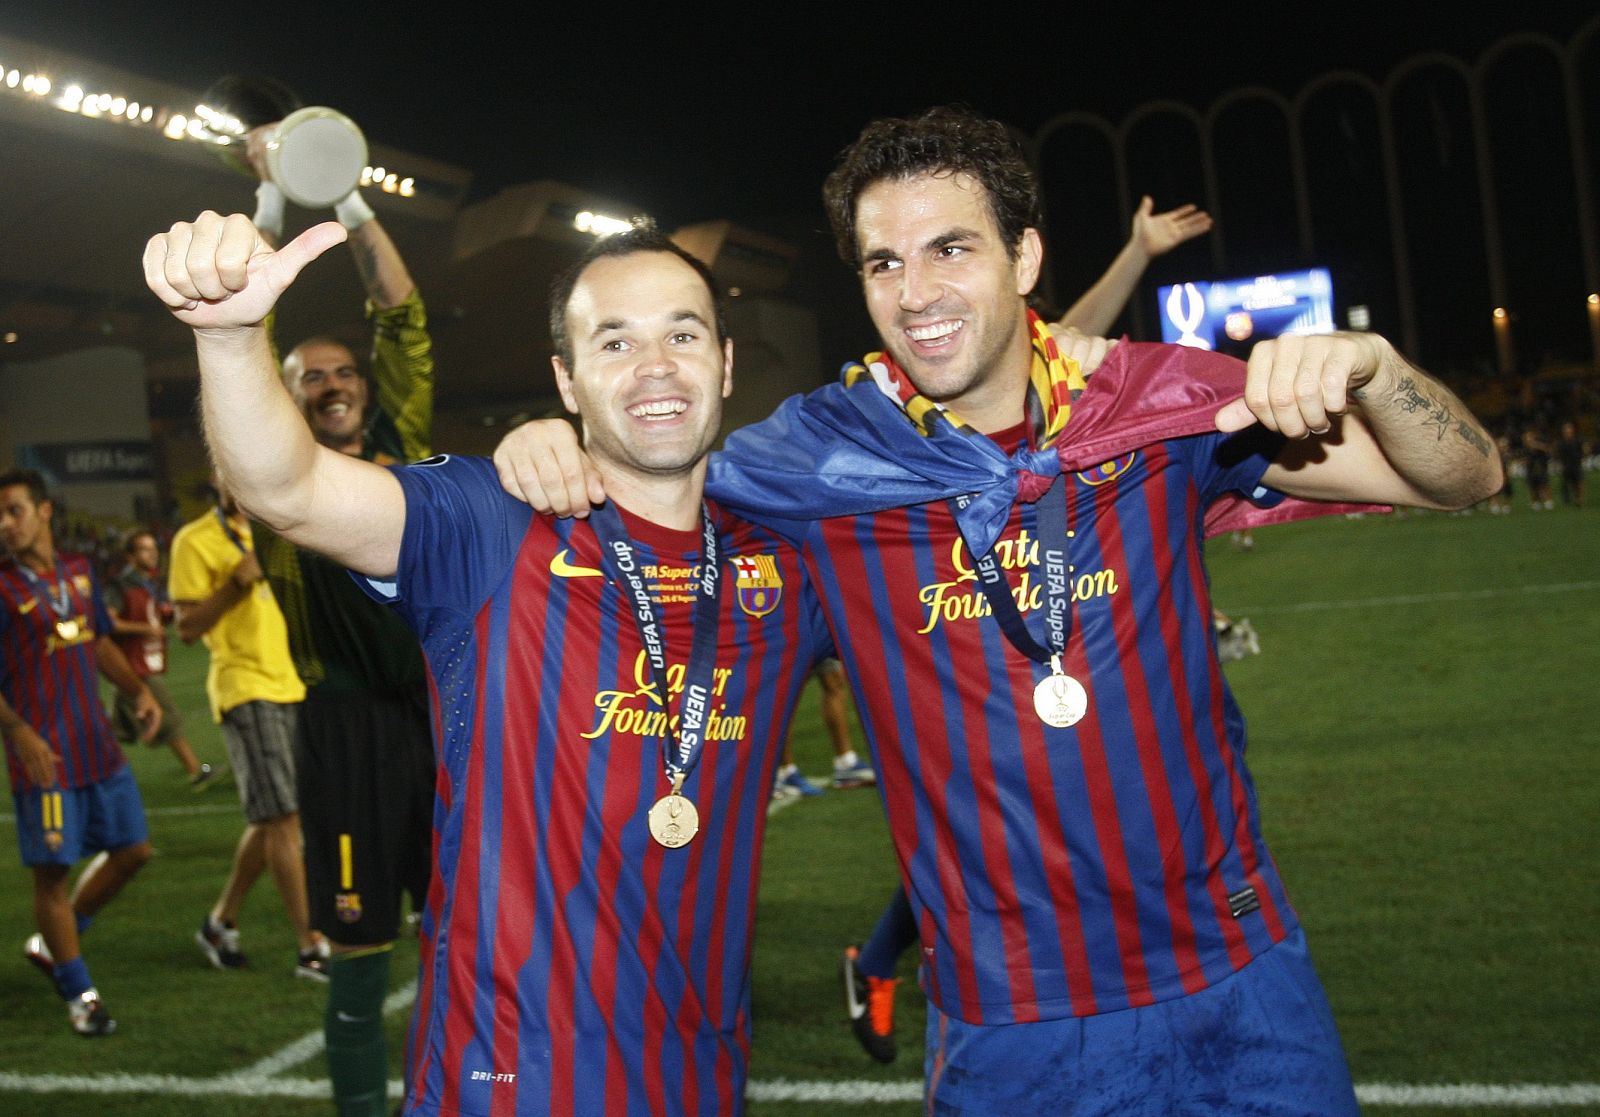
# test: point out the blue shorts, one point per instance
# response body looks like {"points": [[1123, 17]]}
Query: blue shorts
{"points": [[1261, 1041], [62, 826]]}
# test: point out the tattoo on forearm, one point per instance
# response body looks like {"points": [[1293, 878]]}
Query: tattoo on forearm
{"points": [[1470, 434], [366, 264], [1410, 398]]}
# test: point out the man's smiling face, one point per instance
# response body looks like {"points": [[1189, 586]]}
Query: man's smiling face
{"points": [[329, 390], [947, 297], [648, 374]]}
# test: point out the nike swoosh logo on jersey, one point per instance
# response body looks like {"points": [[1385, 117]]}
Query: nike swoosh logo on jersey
{"points": [[26, 607], [561, 568]]}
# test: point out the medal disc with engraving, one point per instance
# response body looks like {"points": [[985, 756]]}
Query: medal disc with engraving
{"points": [[67, 630], [674, 821], [1060, 700]]}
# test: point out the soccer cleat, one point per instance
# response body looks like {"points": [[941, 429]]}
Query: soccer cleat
{"points": [[1236, 639], [88, 1016], [859, 774], [35, 951], [312, 965], [795, 783], [220, 944], [202, 779], [870, 1001]]}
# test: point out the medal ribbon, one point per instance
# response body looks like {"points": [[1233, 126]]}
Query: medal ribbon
{"points": [[1054, 552], [620, 558], [59, 608], [227, 529], [1054, 382]]}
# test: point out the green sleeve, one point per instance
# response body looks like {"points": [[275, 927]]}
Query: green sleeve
{"points": [[402, 371]]}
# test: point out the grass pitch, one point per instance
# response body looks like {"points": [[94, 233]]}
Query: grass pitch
{"points": [[1423, 738]]}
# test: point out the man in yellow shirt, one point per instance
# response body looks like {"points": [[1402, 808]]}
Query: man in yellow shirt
{"points": [[220, 596]]}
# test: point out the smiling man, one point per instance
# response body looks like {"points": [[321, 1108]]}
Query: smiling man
{"points": [[1011, 563], [1103, 928], [611, 694]]}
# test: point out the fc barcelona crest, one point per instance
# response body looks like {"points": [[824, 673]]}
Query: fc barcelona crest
{"points": [[1107, 471], [347, 906], [758, 582]]}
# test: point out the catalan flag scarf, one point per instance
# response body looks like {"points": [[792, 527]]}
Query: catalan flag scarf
{"points": [[1054, 382], [848, 449]]}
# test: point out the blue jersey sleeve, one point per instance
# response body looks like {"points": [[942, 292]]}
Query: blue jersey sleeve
{"points": [[1234, 463], [462, 535]]}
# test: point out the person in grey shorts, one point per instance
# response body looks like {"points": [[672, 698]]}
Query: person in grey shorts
{"points": [[220, 596], [260, 740]]}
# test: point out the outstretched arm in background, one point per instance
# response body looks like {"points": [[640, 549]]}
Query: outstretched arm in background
{"points": [[221, 278], [1153, 234]]}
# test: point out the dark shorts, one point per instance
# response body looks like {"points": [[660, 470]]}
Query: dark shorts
{"points": [[128, 727], [260, 740], [364, 769], [63, 826], [1261, 1041]]}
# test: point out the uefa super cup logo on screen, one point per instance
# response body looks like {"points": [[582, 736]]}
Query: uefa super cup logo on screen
{"points": [[1186, 309]]}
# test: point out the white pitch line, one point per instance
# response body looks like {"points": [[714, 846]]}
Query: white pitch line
{"points": [[311, 1044], [1469, 1095], [1465, 1095], [1412, 599]]}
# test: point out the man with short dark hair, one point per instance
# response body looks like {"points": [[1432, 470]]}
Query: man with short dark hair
{"points": [[71, 787], [610, 695], [1103, 929]]}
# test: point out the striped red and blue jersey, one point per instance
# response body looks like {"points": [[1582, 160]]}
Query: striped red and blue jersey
{"points": [[571, 964], [51, 681], [1075, 871]]}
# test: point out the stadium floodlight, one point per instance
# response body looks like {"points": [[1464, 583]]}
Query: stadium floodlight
{"points": [[599, 224]]}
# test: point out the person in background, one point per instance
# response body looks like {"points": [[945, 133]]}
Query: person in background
{"points": [[222, 599], [140, 613], [71, 787]]}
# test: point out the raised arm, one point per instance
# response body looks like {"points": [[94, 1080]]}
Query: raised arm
{"points": [[382, 268], [1153, 234], [220, 277], [1364, 423]]}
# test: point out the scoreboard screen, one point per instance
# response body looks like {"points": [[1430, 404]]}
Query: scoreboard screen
{"points": [[1233, 314]]}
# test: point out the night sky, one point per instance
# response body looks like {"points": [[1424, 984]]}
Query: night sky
{"points": [[692, 114]]}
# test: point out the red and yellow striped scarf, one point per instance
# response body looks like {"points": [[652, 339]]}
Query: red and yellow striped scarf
{"points": [[1054, 382]]}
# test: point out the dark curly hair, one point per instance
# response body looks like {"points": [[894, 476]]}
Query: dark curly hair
{"points": [[950, 139]]}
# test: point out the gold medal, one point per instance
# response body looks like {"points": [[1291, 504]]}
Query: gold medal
{"points": [[1059, 699], [67, 629], [673, 819]]}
